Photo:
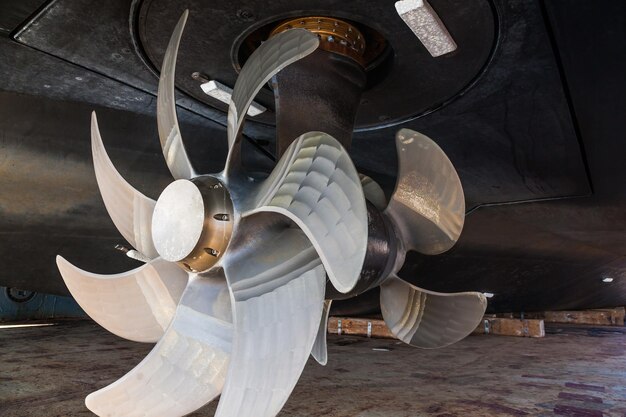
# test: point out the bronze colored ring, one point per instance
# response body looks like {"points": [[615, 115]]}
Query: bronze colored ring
{"points": [[335, 35]]}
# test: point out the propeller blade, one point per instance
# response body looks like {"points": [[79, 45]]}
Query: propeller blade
{"points": [[277, 286], [428, 319], [319, 351], [316, 185], [428, 205], [130, 210], [169, 132], [186, 369], [373, 192], [137, 305], [271, 57]]}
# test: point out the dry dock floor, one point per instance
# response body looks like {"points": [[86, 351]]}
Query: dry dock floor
{"points": [[573, 371]]}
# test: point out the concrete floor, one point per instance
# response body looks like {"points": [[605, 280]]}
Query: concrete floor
{"points": [[579, 372]]}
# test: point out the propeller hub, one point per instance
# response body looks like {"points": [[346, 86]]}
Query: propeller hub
{"points": [[192, 223]]}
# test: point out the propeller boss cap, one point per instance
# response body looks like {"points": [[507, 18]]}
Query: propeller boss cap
{"points": [[178, 220]]}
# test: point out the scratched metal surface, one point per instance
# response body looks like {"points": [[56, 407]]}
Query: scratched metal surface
{"points": [[572, 372]]}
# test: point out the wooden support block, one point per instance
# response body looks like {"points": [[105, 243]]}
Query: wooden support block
{"points": [[602, 317], [361, 327], [511, 327], [378, 329]]}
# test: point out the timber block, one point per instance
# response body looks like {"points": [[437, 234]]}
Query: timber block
{"points": [[511, 327], [602, 317], [360, 327]]}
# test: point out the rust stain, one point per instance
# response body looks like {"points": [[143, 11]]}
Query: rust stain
{"points": [[538, 376], [580, 397], [586, 387], [534, 385], [567, 410]]}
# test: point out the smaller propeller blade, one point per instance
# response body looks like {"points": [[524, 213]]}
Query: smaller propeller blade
{"points": [[316, 185], [186, 369], [130, 210], [137, 305], [427, 205], [265, 62], [277, 285], [373, 192], [169, 132], [320, 351], [428, 319]]}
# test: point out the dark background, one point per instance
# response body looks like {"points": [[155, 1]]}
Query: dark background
{"points": [[537, 136]]}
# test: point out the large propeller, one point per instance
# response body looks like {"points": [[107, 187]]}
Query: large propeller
{"points": [[234, 292]]}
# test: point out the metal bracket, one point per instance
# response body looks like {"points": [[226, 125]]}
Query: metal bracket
{"points": [[339, 326], [427, 26]]}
